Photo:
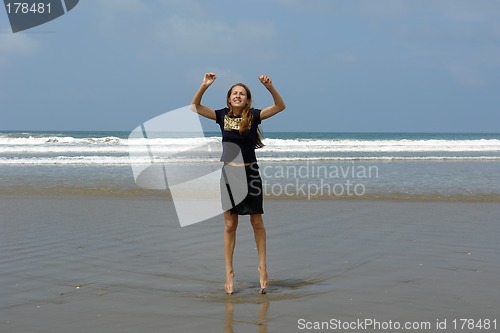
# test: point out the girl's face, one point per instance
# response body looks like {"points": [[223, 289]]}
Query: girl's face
{"points": [[238, 97]]}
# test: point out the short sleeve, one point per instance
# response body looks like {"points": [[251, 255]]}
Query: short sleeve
{"points": [[219, 116], [256, 116]]}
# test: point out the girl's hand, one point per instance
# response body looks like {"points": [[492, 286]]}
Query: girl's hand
{"points": [[208, 79], [266, 81], [278, 105]]}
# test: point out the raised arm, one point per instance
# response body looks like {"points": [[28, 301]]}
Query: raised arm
{"points": [[279, 104], [202, 110]]}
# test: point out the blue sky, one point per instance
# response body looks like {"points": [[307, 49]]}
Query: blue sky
{"points": [[341, 66]]}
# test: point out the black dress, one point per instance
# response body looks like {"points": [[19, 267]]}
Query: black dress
{"points": [[240, 183]]}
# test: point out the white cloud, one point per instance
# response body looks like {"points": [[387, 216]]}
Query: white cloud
{"points": [[225, 76], [469, 11], [346, 58], [14, 45], [184, 7], [113, 17], [465, 74], [121, 6], [317, 6], [214, 37], [384, 9]]}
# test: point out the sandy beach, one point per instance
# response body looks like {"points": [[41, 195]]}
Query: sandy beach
{"points": [[85, 263], [371, 129]]}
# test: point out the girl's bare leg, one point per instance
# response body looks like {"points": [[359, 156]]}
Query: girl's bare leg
{"points": [[230, 225], [260, 240]]}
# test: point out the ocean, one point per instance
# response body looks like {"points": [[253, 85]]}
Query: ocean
{"points": [[294, 164], [83, 248]]}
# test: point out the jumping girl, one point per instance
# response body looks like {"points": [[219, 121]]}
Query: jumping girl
{"points": [[239, 126]]}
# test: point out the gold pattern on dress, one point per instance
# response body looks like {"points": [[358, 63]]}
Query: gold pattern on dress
{"points": [[231, 123]]}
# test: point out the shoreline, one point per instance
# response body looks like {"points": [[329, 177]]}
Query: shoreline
{"points": [[136, 192]]}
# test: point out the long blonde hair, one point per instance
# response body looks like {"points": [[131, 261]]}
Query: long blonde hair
{"points": [[246, 115]]}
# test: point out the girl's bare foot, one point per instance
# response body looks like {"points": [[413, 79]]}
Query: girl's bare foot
{"points": [[229, 283], [263, 279]]}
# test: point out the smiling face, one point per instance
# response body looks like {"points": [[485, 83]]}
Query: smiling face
{"points": [[238, 98]]}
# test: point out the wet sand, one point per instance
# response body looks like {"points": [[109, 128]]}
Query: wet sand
{"points": [[83, 263]]}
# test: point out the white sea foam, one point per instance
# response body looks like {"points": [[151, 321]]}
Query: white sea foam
{"points": [[125, 160], [56, 140], [383, 145], [110, 144], [111, 150]]}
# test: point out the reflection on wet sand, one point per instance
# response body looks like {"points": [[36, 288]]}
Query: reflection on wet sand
{"points": [[261, 322]]}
